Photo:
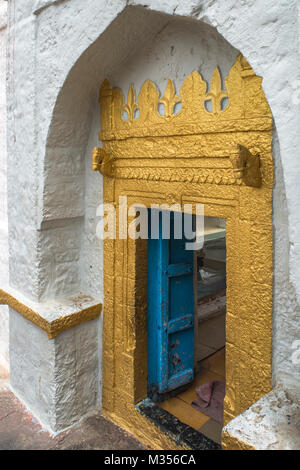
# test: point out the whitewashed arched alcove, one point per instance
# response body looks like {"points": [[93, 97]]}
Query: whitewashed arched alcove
{"points": [[143, 44], [65, 49]]}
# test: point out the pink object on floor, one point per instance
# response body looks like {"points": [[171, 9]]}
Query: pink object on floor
{"points": [[210, 399]]}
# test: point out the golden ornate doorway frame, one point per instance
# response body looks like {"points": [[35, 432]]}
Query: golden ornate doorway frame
{"points": [[189, 157]]}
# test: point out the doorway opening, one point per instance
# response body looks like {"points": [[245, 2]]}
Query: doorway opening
{"points": [[191, 157], [186, 325]]}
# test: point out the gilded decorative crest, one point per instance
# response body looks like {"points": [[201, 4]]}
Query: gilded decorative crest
{"points": [[189, 128], [241, 86]]}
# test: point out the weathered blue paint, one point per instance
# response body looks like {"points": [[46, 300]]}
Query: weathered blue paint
{"points": [[170, 312]]}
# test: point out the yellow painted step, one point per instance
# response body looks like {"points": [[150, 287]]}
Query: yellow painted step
{"points": [[184, 412]]}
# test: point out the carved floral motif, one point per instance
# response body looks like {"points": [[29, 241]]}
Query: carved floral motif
{"points": [[169, 99], [131, 105], [216, 94], [246, 101]]}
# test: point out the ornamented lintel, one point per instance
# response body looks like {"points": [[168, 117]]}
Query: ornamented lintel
{"points": [[242, 88]]}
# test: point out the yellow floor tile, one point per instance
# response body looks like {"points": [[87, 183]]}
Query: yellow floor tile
{"points": [[216, 363], [212, 368], [203, 352], [185, 412], [203, 376], [211, 332], [212, 430]]}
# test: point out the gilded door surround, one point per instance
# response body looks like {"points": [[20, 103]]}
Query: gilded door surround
{"points": [[188, 157]]}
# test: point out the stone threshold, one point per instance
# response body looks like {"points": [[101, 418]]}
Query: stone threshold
{"points": [[179, 432], [53, 316]]}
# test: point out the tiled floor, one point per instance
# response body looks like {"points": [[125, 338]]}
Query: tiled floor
{"points": [[211, 336], [212, 368]]}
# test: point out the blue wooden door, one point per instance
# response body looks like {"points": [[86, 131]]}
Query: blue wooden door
{"points": [[170, 319]]}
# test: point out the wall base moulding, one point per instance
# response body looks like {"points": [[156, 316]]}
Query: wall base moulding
{"points": [[53, 317]]}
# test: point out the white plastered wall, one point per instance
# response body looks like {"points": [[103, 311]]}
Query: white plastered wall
{"points": [[53, 247], [4, 354], [57, 379]]}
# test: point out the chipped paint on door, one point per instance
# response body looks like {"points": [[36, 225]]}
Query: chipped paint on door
{"points": [[170, 321]]}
